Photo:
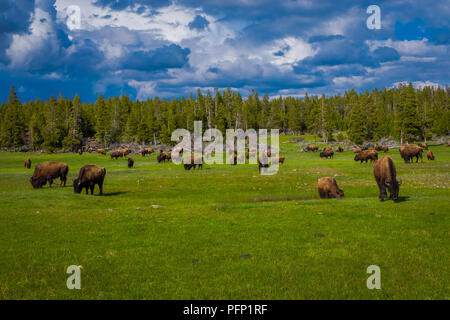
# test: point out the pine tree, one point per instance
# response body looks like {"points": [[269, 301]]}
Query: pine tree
{"points": [[358, 130], [74, 136]]}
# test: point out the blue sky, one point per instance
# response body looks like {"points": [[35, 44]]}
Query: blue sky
{"points": [[147, 48]]}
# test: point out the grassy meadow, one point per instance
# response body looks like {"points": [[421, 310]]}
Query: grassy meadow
{"points": [[225, 232]]}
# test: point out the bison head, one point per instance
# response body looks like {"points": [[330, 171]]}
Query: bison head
{"points": [[37, 182], [339, 193], [394, 188], [77, 186], [357, 157]]}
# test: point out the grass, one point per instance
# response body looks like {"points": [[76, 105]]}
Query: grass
{"points": [[192, 247]]}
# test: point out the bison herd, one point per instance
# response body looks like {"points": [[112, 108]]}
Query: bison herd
{"points": [[383, 169]]}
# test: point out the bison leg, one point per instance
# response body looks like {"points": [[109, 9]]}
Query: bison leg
{"points": [[100, 186], [87, 188], [322, 194], [382, 188], [92, 185]]}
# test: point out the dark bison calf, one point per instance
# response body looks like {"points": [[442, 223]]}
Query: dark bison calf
{"points": [[386, 177], [328, 188], [130, 162], [27, 163], [47, 171], [430, 155], [88, 177]]}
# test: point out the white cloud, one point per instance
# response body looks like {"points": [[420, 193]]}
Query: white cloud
{"points": [[421, 48]]}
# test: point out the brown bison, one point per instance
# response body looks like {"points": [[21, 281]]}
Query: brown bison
{"points": [[279, 160], [162, 157], [80, 151], [27, 163], [130, 162], [312, 148], [101, 151], [340, 149], [327, 153], [409, 151], [386, 177], [124, 152], [145, 151], [88, 177], [263, 161], [328, 188], [382, 148], [47, 171], [115, 154], [430, 155], [371, 155]]}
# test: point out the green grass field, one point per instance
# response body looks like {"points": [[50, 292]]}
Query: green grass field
{"points": [[192, 247]]}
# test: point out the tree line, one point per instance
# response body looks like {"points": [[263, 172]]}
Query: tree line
{"points": [[404, 113]]}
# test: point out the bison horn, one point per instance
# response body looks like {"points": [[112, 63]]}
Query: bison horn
{"points": [[388, 183]]}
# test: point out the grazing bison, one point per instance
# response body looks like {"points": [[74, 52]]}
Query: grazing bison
{"points": [[312, 148], [328, 188], [47, 171], [371, 155], [188, 166], [115, 154], [124, 152], [162, 157], [263, 161], [327, 153], [430, 155], [27, 163], [386, 177], [340, 149], [145, 151], [382, 148], [101, 151], [130, 162], [409, 151], [88, 177]]}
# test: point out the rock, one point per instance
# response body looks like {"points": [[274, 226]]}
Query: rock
{"points": [[378, 216], [156, 206], [139, 208], [38, 212]]}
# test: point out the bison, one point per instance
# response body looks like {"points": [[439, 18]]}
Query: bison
{"points": [[27, 163], [145, 151], [162, 157], [47, 171], [340, 149], [88, 177], [382, 148], [386, 177], [101, 151], [312, 148], [328, 188], [424, 146], [430, 155], [327, 153], [263, 161], [80, 151], [371, 155], [115, 154], [130, 162], [409, 151]]}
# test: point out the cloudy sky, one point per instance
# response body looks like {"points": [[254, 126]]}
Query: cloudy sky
{"points": [[169, 48]]}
